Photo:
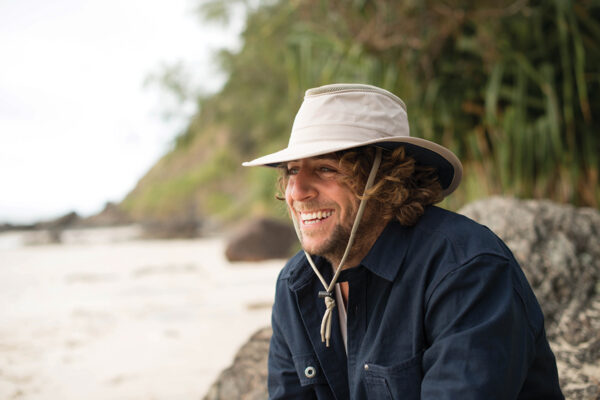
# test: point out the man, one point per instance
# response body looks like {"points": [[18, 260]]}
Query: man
{"points": [[393, 298]]}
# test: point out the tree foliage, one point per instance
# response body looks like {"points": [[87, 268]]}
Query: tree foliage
{"points": [[511, 86]]}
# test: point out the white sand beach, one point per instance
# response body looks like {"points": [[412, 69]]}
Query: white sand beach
{"points": [[103, 316]]}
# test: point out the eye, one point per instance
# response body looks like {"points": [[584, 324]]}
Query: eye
{"points": [[326, 169], [292, 170]]}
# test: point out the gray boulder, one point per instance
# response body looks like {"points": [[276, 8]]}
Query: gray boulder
{"points": [[261, 239], [558, 247]]}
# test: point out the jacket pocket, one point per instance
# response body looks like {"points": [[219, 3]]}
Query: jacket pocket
{"points": [[399, 381], [308, 369]]}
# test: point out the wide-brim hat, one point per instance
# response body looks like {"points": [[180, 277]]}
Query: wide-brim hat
{"points": [[344, 116]]}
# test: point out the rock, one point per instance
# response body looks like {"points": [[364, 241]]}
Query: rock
{"points": [[558, 247], [50, 232], [246, 379], [261, 239], [66, 221], [111, 215]]}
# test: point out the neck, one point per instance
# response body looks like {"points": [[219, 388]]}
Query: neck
{"points": [[366, 239]]}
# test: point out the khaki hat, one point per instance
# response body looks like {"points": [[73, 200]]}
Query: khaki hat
{"points": [[344, 116]]}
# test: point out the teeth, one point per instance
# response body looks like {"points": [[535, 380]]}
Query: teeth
{"points": [[315, 216]]}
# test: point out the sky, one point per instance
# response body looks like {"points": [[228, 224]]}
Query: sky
{"points": [[79, 124]]}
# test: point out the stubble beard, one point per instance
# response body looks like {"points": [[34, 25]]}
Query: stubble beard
{"points": [[333, 248]]}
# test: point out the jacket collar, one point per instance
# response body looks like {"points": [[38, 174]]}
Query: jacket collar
{"points": [[387, 254], [384, 259]]}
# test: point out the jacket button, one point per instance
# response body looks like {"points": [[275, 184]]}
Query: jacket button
{"points": [[310, 372], [366, 367]]}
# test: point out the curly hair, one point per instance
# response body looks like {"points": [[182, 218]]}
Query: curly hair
{"points": [[402, 188]]}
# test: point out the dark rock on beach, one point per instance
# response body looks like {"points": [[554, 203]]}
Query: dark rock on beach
{"points": [[111, 215], [66, 221], [261, 239], [558, 247], [50, 232], [246, 379]]}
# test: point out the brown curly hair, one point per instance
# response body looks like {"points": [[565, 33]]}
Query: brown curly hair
{"points": [[402, 188]]}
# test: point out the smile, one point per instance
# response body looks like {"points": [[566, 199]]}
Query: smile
{"points": [[315, 217]]}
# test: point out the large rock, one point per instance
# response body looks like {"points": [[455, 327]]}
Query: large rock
{"points": [[50, 232], [261, 239], [558, 247], [63, 222], [111, 215], [246, 379]]}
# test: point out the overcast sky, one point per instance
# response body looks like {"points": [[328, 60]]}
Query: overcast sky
{"points": [[78, 127]]}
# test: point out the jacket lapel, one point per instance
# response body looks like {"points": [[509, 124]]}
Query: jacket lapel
{"points": [[333, 359]]}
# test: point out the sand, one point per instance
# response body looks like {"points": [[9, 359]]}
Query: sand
{"points": [[105, 316]]}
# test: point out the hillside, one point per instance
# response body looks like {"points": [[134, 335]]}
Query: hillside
{"points": [[511, 87]]}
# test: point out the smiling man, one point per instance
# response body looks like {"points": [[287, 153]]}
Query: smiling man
{"points": [[392, 297]]}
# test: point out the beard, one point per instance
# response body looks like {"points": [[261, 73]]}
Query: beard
{"points": [[334, 247]]}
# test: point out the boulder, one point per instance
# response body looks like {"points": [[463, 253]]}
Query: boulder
{"points": [[558, 247], [50, 232], [63, 222], [246, 379], [111, 215], [261, 239]]}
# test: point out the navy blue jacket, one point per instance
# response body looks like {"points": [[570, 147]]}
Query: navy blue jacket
{"points": [[438, 311]]}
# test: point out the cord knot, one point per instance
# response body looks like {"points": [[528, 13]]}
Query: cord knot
{"points": [[326, 323]]}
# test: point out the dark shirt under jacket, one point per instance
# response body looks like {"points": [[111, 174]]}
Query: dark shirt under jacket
{"points": [[438, 311]]}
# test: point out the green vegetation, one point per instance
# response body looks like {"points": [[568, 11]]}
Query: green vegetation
{"points": [[511, 86]]}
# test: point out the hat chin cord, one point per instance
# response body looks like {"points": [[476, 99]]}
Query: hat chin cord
{"points": [[327, 295]]}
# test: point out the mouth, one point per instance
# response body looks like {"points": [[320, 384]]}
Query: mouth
{"points": [[314, 217]]}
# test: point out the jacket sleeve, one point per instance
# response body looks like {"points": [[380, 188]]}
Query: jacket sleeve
{"points": [[485, 330], [283, 381]]}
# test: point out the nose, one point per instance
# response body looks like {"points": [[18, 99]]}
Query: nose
{"points": [[301, 186]]}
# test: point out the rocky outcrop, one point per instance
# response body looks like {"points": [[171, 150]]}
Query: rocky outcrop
{"points": [[246, 379], [111, 215], [261, 239], [50, 232], [66, 221], [558, 247]]}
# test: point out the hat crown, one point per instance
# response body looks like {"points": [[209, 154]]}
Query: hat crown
{"points": [[351, 112], [344, 116]]}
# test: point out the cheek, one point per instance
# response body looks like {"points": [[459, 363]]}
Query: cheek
{"points": [[288, 195], [347, 203]]}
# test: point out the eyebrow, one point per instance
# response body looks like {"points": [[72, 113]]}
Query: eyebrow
{"points": [[326, 157]]}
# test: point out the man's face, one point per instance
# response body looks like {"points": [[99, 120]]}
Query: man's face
{"points": [[324, 207]]}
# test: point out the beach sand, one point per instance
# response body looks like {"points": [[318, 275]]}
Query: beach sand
{"points": [[105, 318]]}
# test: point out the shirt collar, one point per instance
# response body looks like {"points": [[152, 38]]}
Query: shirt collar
{"points": [[384, 259], [387, 254]]}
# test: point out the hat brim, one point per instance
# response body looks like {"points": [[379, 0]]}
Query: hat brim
{"points": [[425, 152]]}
